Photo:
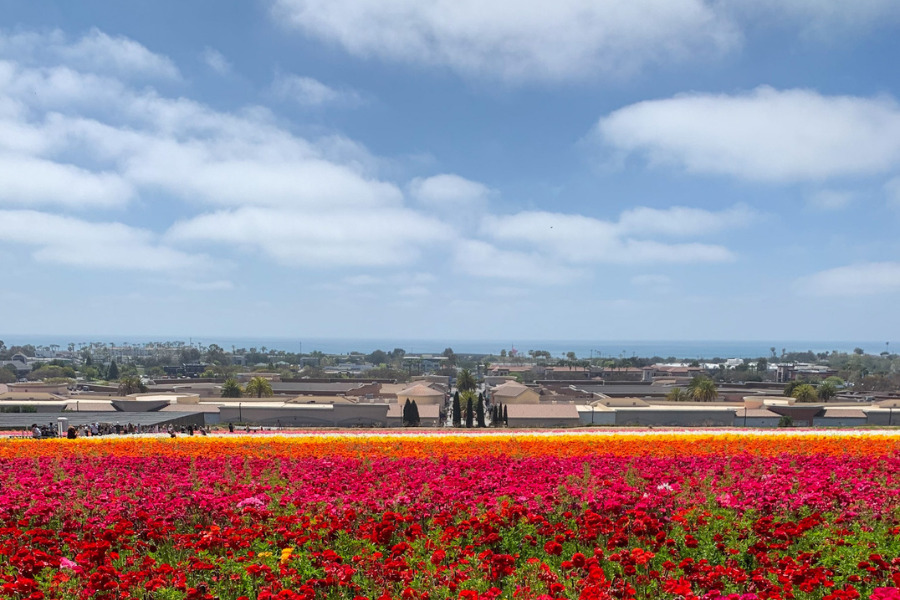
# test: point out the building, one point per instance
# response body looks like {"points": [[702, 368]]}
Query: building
{"points": [[513, 392], [422, 395], [542, 415]]}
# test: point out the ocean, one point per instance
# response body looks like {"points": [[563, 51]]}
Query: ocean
{"points": [[690, 349]]}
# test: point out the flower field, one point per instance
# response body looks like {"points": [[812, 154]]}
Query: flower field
{"points": [[430, 516]]}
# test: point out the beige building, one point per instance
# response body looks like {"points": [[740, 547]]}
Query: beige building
{"points": [[513, 392], [421, 395], [543, 415]]}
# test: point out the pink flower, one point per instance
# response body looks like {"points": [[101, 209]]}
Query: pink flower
{"points": [[885, 593], [65, 563], [251, 501]]}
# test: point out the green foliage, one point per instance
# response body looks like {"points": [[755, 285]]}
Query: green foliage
{"points": [[465, 382], [805, 393], [8, 374], [258, 387], [678, 395], [826, 391], [231, 389], [411, 414], [51, 372], [703, 389], [785, 421], [131, 384], [112, 373]]}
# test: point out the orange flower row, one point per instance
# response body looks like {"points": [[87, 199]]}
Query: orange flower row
{"points": [[462, 445]]}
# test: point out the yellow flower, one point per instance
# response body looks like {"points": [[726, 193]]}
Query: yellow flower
{"points": [[286, 554], [261, 554]]}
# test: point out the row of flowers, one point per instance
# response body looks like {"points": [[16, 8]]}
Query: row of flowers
{"points": [[423, 517]]}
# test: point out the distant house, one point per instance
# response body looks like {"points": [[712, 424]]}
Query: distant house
{"points": [[421, 395], [794, 371], [513, 392], [543, 415]]}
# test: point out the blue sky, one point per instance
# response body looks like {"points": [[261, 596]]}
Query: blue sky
{"points": [[577, 169]]}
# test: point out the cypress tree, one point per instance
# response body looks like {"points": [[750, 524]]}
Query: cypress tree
{"points": [[469, 415], [479, 412], [406, 413], [414, 414], [505, 417], [457, 411], [113, 372]]}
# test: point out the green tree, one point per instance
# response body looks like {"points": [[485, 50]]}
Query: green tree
{"points": [[216, 355], [469, 413], [762, 365], [451, 356], [457, 410], [407, 414], [678, 395], [112, 373], [414, 419], [51, 372], [465, 381], [805, 393], [131, 384], [258, 387], [826, 391], [8, 375], [231, 389], [703, 389], [479, 411]]}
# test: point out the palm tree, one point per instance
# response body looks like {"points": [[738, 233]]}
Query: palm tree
{"points": [[805, 393], [826, 391], [703, 389], [231, 389], [259, 387], [465, 381], [131, 385], [678, 395]]}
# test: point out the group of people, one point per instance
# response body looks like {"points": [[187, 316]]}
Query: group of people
{"points": [[93, 429]]}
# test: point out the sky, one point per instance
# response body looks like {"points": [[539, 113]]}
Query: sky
{"points": [[425, 169]]}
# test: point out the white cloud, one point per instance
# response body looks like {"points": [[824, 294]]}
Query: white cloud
{"points": [[94, 52], [216, 61], [481, 259], [320, 239], [862, 279], [28, 181], [78, 243], [148, 142], [310, 92], [831, 199], [683, 221], [449, 192], [517, 40], [766, 134], [531, 40], [579, 239]]}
